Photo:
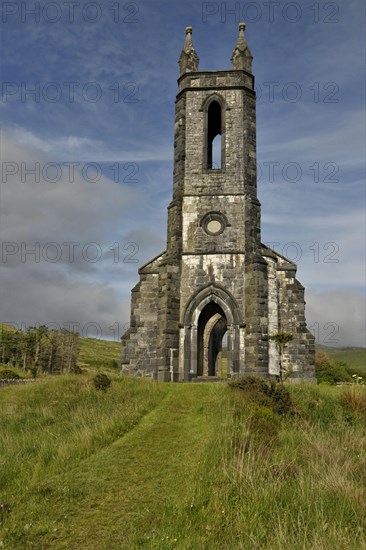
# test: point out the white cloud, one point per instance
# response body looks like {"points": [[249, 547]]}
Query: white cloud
{"points": [[103, 216], [337, 318], [85, 149]]}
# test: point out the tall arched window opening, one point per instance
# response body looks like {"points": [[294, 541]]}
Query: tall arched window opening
{"points": [[214, 132]]}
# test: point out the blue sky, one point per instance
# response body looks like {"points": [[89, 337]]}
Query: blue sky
{"points": [[104, 85]]}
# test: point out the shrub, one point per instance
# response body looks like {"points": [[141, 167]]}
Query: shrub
{"points": [[101, 381], [271, 394], [249, 383], [282, 402], [114, 364], [75, 369], [355, 371], [8, 374], [330, 373]]}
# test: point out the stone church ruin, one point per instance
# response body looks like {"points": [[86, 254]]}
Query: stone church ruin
{"points": [[215, 280]]}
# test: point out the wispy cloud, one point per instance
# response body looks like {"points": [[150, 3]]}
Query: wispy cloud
{"points": [[138, 61]]}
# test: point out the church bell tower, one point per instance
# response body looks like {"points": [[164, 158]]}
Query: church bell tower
{"points": [[216, 282]]}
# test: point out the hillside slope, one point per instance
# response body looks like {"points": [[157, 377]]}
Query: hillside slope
{"points": [[96, 354], [188, 466], [354, 357]]}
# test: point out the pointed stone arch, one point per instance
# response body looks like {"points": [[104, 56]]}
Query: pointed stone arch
{"points": [[214, 97], [217, 294], [191, 332]]}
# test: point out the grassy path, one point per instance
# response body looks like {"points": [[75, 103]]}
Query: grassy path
{"points": [[180, 466], [119, 495]]}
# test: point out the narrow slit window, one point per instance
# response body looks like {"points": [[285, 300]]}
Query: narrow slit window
{"points": [[214, 131]]}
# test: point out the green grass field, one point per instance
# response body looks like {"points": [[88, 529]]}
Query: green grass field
{"points": [[99, 354], [188, 466], [354, 357]]}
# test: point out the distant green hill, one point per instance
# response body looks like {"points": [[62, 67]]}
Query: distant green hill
{"points": [[99, 354], [354, 357]]}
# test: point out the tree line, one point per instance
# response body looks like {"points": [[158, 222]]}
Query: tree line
{"points": [[39, 349]]}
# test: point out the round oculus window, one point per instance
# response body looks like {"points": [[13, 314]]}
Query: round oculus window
{"points": [[213, 223], [214, 227]]}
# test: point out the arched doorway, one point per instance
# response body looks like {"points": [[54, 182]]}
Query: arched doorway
{"points": [[212, 325], [210, 315]]}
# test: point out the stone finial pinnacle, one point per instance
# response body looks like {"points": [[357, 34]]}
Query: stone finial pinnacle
{"points": [[188, 61], [242, 57]]}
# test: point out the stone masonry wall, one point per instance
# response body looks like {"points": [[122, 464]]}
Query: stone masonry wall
{"points": [[249, 277]]}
